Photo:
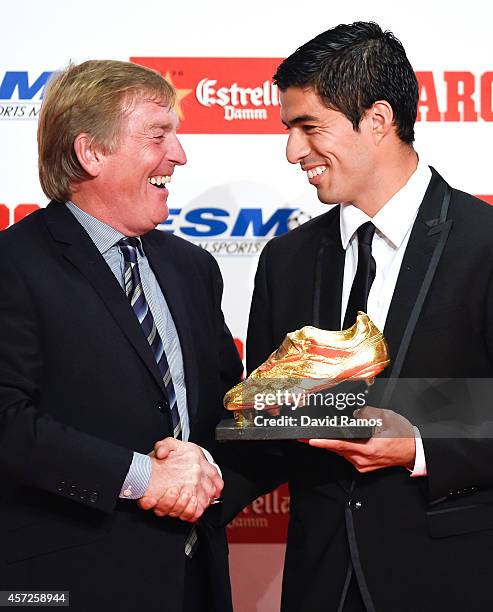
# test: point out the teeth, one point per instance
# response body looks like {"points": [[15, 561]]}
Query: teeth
{"points": [[316, 171], [159, 180]]}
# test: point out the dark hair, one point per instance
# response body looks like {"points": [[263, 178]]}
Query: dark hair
{"points": [[352, 66]]}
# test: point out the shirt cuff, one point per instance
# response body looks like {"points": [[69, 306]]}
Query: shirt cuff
{"points": [[419, 460], [209, 458], [138, 476]]}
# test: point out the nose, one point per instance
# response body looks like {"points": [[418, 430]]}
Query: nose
{"points": [[176, 154], [297, 147]]}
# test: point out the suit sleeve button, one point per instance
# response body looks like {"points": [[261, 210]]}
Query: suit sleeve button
{"points": [[73, 490], [93, 497]]}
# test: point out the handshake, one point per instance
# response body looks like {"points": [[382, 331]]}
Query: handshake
{"points": [[183, 483]]}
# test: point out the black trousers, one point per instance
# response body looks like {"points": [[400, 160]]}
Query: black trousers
{"points": [[353, 601], [197, 589]]}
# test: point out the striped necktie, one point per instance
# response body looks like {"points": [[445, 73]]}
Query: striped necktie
{"points": [[135, 293]]}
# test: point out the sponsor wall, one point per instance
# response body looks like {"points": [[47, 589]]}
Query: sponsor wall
{"points": [[237, 190]]}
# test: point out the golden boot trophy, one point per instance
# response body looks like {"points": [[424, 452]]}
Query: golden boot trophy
{"points": [[308, 361]]}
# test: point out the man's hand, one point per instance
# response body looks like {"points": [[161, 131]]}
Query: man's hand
{"points": [[183, 483], [393, 443]]}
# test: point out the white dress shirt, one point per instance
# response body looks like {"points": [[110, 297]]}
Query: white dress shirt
{"points": [[393, 224]]}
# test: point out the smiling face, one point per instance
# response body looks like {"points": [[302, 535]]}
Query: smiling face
{"points": [[338, 160], [131, 183]]}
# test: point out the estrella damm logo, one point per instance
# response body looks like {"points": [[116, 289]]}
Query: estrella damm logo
{"points": [[222, 95]]}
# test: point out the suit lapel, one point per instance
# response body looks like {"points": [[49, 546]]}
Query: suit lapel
{"points": [[421, 259], [77, 247], [412, 272], [329, 274], [161, 259]]}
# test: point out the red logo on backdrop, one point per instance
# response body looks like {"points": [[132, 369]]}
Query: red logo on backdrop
{"points": [[231, 95], [265, 520], [222, 95], [468, 96]]}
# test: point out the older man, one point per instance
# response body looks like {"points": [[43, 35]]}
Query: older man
{"points": [[111, 338]]}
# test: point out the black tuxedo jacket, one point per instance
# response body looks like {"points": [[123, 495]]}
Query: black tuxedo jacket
{"points": [[79, 392], [417, 544]]}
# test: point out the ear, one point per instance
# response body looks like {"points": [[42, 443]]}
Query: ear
{"points": [[381, 118], [89, 156]]}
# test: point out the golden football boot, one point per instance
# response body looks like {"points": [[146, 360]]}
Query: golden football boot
{"points": [[310, 360]]}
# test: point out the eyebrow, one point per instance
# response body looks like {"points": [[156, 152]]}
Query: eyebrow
{"points": [[160, 126], [299, 119]]}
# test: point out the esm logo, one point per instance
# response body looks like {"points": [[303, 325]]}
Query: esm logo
{"points": [[21, 94], [228, 232], [221, 231]]}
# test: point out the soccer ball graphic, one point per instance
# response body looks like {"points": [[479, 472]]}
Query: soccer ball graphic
{"points": [[297, 218]]}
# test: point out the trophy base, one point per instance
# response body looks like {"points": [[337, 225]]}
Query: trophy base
{"points": [[229, 430]]}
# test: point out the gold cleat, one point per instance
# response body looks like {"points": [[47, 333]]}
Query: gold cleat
{"points": [[310, 360]]}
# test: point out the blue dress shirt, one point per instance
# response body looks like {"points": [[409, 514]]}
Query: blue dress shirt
{"points": [[105, 238]]}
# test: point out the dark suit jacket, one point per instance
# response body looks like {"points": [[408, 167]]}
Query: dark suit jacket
{"points": [[79, 392], [418, 544]]}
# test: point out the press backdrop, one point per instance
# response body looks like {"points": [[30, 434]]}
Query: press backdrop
{"points": [[238, 190]]}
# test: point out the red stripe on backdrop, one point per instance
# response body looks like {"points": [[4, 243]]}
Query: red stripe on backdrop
{"points": [[22, 210], [486, 198], [240, 346], [4, 216]]}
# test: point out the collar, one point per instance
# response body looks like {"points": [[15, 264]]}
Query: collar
{"points": [[104, 236], [396, 217]]}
